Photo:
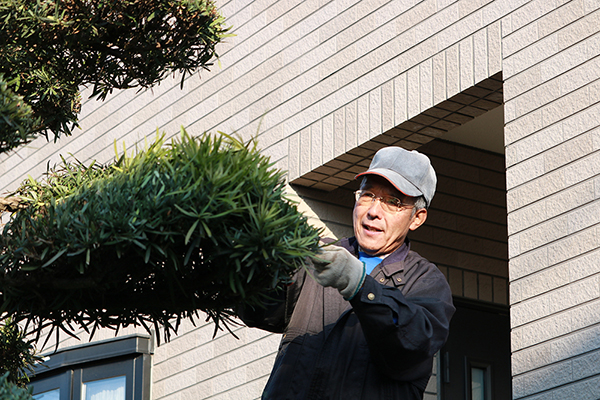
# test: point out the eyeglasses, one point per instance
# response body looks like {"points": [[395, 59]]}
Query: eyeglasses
{"points": [[388, 203]]}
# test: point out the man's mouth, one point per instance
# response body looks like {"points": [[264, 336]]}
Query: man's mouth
{"points": [[371, 228]]}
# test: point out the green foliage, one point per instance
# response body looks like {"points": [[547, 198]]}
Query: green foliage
{"points": [[17, 355], [16, 120], [10, 391], [50, 48], [201, 224]]}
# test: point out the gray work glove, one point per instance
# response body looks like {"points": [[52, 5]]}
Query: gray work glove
{"points": [[336, 267]]}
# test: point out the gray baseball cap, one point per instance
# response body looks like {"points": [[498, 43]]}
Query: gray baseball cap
{"points": [[409, 171]]}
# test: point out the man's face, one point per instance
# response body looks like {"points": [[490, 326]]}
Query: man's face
{"points": [[380, 232]]}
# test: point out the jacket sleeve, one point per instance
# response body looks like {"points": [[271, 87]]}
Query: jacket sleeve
{"points": [[275, 313], [269, 316], [403, 333]]}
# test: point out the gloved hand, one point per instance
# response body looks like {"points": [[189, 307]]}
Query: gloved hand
{"points": [[336, 267]]}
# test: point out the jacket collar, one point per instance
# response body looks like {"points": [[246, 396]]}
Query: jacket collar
{"points": [[390, 265]]}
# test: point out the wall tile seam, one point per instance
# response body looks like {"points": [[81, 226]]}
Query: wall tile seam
{"points": [[538, 20], [541, 108], [175, 85], [271, 92], [214, 395], [302, 55], [542, 259], [465, 218], [199, 87], [534, 228], [317, 100], [541, 199], [466, 252], [392, 20], [488, 20], [536, 395], [547, 270], [485, 24], [207, 364], [561, 74], [349, 8], [229, 3], [477, 181], [540, 296], [556, 79], [537, 202], [73, 137], [546, 246], [325, 97], [330, 114], [575, 388], [272, 5], [536, 99], [477, 199], [158, 99], [549, 171], [558, 138], [546, 38], [181, 355], [442, 230], [567, 313], [455, 269], [549, 342], [524, 358], [458, 148], [236, 387], [524, 11], [88, 144], [490, 225], [568, 360], [210, 342]]}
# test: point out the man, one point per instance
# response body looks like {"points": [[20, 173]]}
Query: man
{"points": [[366, 322]]}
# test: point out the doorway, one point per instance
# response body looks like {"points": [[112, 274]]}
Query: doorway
{"points": [[475, 362]]}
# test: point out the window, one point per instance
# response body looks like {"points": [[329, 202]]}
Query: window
{"points": [[479, 378], [105, 389], [49, 395], [478, 383], [115, 369]]}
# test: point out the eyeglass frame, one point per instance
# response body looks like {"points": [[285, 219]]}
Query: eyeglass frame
{"points": [[384, 204]]}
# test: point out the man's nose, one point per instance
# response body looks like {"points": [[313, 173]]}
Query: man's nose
{"points": [[375, 209]]}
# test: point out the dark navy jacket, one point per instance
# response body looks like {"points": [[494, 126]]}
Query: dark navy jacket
{"points": [[379, 345]]}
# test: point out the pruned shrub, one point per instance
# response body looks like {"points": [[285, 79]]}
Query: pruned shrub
{"points": [[199, 224]]}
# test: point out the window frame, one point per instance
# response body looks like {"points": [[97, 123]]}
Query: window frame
{"points": [[67, 369], [471, 363]]}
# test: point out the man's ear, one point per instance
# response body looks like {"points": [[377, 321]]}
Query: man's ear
{"points": [[418, 219]]}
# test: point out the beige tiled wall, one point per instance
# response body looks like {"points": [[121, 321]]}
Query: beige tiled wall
{"points": [[552, 92]]}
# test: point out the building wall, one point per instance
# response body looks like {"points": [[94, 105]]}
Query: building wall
{"points": [[551, 71], [315, 80]]}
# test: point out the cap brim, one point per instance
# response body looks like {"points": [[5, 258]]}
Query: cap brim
{"points": [[397, 180]]}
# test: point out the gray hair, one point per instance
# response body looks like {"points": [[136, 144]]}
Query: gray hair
{"points": [[419, 204]]}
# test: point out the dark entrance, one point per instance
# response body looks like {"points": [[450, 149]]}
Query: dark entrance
{"points": [[475, 362]]}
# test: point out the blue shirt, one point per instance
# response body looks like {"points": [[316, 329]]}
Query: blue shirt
{"points": [[370, 261]]}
